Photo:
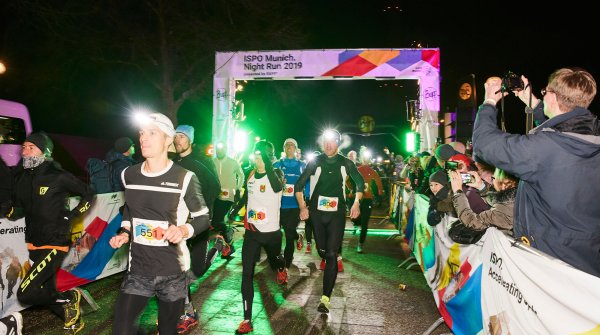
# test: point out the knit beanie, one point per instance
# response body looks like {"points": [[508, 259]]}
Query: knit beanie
{"points": [[123, 144], [42, 141], [439, 177], [186, 130], [445, 151]]}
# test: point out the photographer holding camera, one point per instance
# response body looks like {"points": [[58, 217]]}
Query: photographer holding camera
{"points": [[471, 183], [557, 163], [500, 215]]}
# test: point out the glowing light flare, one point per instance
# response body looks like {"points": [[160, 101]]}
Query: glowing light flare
{"points": [[140, 115], [240, 141]]}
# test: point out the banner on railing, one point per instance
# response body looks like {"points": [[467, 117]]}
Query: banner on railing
{"points": [[498, 286], [90, 256]]}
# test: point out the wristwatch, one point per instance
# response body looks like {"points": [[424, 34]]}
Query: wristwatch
{"points": [[124, 230]]}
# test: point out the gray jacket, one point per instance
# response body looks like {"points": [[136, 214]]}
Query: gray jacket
{"points": [[559, 166], [500, 215]]}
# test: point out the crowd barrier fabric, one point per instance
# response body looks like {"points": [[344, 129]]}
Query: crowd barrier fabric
{"points": [[499, 286], [90, 256]]}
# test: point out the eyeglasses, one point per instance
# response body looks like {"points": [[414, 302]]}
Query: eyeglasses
{"points": [[546, 90]]}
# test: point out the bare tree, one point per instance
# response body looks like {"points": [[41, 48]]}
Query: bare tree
{"points": [[166, 46]]}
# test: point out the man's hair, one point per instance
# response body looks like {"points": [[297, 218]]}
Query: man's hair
{"points": [[266, 147], [573, 88]]}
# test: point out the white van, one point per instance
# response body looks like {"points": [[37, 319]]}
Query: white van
{"points": [[15, 126]]}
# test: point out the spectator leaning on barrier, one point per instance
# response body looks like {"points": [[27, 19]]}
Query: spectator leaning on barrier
{"points": [[440, 203], [557, 163], [500, 215], [462, 164]]}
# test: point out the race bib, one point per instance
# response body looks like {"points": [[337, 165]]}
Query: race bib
{"points": [[328, 204], [288, 190], [257, 216], [150, 232]]}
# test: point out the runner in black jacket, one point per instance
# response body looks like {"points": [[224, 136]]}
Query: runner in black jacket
{"points": [[327, 205], [41, 194]]}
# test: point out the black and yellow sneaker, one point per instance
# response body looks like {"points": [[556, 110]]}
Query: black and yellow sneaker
{"points": [[324, 305], [72, 311], [75, 328]]}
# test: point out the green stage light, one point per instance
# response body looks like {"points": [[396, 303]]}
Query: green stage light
{"points": [[412, 141]]}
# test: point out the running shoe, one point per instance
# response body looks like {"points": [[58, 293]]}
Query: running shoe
{"points": [[282, 277], [187, 322], [322, 265], [324, 305], [300, 242], [245, 327], [340, 264], [228, 249], [359, 248], [72, 311], [75, 328], [308, 248], [219, 243], [13, 323]]}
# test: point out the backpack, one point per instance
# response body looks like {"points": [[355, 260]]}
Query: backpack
{"points": [[100, 175]]}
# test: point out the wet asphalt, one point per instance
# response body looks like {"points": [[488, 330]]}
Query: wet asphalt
{"points": [[373, 295]]}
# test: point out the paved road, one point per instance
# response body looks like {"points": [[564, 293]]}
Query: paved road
{"points": [[366, 300]]}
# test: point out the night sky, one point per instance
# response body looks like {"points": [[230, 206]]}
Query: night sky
{"points": [[478, 38]]}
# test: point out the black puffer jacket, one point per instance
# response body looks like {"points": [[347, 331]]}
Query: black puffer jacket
{"points": [[42, 194]]}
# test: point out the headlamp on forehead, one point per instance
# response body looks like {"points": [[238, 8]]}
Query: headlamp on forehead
{"points": [[332, 135]]}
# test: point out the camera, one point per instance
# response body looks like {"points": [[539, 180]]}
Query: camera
{"points": [[512, 82], [451, 165], [466, 178]]}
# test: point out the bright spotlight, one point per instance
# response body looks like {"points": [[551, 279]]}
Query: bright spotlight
{"points": [[240, 141], [141, 115]]}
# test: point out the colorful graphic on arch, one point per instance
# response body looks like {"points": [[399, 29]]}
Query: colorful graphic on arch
{"points": [[361, 62]]}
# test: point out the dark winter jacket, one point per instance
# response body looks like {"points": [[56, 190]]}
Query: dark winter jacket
{"points": [[42, 195], [209, 182], [500, 215], [558, 163], [118, 162], [439, 205]]}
